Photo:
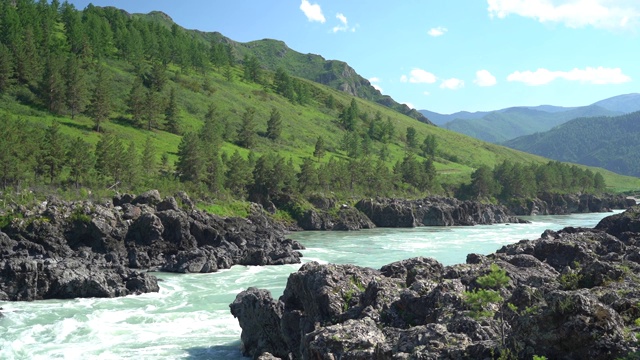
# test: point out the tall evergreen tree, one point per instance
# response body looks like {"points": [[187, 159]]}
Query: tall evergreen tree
{"points": [[319, 149], [101, 101], [148, 160], [109, 155], [6, 68], [137, 102], [429, 146], [81, 161], [172, 114], [411, 137], [52, 86], [238, 175], [247, 130], [190, 165], [77, 90], [274, 124], [131, 166], [53, 151]]}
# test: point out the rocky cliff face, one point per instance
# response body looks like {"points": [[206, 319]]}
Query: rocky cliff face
{"points": [[557, 204], [433, 211], [571, 294], [84, 249]]}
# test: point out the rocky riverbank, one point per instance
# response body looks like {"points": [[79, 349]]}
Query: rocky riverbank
{"points": [[563, 204], [571, 294], [83, 249]]}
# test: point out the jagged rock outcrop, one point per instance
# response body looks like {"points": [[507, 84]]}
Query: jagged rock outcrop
{"points": [[571, 294], [563, 204], [85, 249], [433, 211], [345, 218]]}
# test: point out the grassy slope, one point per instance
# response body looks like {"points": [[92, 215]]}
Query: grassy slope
{"points": [[301, 124]]}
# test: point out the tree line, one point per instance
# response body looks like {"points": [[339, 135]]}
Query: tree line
{"points": [[510, 180]]}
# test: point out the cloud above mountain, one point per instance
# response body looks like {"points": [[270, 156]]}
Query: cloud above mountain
{"points": [[590, 75], [606, 14]]}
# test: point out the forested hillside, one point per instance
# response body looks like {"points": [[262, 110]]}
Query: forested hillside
{"points": [[609, 142], [500, 126], [505, 124], [100, 100]]}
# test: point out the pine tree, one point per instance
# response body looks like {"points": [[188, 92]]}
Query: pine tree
{"points": [[238, 175], [247, 132], [6, 68], [53, 151], [131, 166], [52, 86], [101, 100], [152, 109], [411, 139], [137, 102], [77, 90], [81, 161], [319, 150], [109, 155], [429, 146], [274, 124], [308, 176], [148, 160], [171, 114], [190, 165]]}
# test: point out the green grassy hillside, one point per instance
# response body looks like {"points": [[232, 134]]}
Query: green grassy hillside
{"points": [[213, 81]]}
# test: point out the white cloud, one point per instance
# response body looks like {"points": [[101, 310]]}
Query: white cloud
{"points": [[312, 11], [439, 31], [607, 14], [419, 76], [410, 105], [484, 78], [597, 76], [426, 93], [374, 80], [344, 24], [452, 84]]}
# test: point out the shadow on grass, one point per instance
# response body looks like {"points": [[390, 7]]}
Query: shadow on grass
{"points": [[229, 351], [80, 127]]}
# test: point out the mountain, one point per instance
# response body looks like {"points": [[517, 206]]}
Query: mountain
{"points": [[623, 103], [500, 126], [158, 106], [505, 124], [442, 119], [612, 143]]}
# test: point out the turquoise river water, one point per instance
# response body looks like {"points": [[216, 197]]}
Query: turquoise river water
{"points": [[189, 318]]}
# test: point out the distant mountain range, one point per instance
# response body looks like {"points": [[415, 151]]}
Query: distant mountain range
{"points": [[612, 143], [505, 124]]}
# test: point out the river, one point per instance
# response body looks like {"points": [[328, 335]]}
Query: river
{"points": [[189, 318]]}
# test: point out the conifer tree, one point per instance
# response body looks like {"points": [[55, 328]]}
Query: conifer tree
{"points": [[238, 175], [52, 86], [53, 151], [247, 131], [6, 68], [171, 114], [77, 91], [274, 124], [411, 139], [429, 146], [137, 102], [101, 100], [148, 159], [81, 161], [131, 166], [109, 156], [308, 176], [319, 150], [190, 163]]}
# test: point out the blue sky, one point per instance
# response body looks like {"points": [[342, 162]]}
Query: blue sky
{"points": [[444, 56]]}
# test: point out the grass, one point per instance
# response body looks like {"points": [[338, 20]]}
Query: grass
{"points": [[302, 124]]}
